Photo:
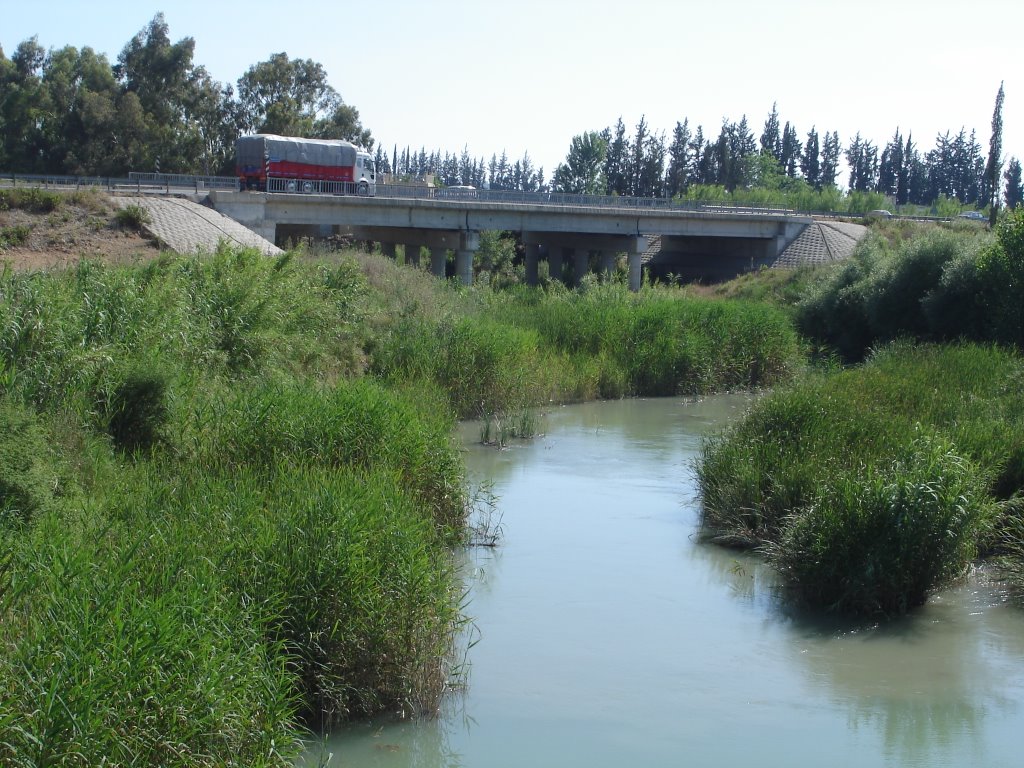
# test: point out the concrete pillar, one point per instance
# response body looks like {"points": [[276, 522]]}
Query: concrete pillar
{"points": [[388, 249], [555, 262], [530, 257], [469, 242], [635, 270], [412, 254], [464, 265], [607, 262], [580, 265], [438, 262]]}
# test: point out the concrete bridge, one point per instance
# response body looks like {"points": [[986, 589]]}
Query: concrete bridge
{"points": [[566, 229]]}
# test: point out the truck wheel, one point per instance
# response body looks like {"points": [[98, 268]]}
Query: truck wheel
{"points": [[363, 189]]}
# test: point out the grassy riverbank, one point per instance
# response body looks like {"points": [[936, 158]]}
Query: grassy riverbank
{"points": [[871, 486], [229, 489]]}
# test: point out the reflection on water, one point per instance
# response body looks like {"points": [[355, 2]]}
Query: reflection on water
{"points": [[609, 636]]}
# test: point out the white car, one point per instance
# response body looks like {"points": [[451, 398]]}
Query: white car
{"points": [[974, 216]]}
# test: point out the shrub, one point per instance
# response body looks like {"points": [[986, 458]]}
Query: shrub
{"points": [[30, 199], [133, 216], [135, 411], [879, 542], [13, 236]]}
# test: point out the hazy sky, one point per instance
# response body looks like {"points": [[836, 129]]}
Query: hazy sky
{"points": [[530, 75]]}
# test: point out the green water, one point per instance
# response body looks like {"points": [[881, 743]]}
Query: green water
{"points": [[608, 636]]}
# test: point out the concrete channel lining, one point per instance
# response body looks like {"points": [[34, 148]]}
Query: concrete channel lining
{"points": [[187, 227]]}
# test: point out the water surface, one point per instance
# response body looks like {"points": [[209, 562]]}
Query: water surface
{"points": [[608, 636]]}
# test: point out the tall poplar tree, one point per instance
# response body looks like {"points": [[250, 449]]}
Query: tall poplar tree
{"points": [[995, 162]]}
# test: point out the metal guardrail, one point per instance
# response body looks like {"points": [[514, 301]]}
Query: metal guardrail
{"points": [[464, 195], [137, 182], [315, 187], [184, 180]]}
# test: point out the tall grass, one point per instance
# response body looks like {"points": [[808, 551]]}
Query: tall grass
{"points": [[661, 342], [880, 542], [120, 648], [792, 469], [212, 534]]}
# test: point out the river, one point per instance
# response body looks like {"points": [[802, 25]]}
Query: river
{"points": [[607, 635]]}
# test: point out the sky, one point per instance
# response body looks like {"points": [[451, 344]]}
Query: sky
{"points": [[527, 76]]}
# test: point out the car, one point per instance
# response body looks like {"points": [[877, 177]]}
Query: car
{"points": [[974, 216], [879, 214]]}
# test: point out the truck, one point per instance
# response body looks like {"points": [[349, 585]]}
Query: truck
{"points": [[270, 163]]}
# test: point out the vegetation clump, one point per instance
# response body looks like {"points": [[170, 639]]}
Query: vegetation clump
{"points": [[133, 217], [946, 286], [872, 486]]}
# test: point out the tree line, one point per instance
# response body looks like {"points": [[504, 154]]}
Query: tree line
{"points": [[647, 164], [70, 111]]}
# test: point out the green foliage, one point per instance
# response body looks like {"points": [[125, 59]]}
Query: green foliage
{"points": [[880, 542], [28, 472], [949, 285], [13, 236], [354, 591], [828, 445], [132, 217], [30, 199], [121, 647], [357, 425], [582, 173], [135, 410]]}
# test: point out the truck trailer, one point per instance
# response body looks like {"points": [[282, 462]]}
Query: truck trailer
{"points": [[270, 163]]}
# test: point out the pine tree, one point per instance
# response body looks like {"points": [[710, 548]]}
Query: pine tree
{"points": [[677, 177], [1014, 192], [830, 159], [790, 157], [891, 166], [771, 143], [616, 160], [810, 163]]}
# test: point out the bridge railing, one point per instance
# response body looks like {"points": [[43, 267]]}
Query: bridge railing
{"points": [[137, 182], [184, 180], [516, 197]]}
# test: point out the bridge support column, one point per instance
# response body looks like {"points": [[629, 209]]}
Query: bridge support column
{"points": [[607, 263], [469, 242], [438, 262], [635, 270], [555, 262], [388, 249], [530, 258], [412, 254], [580, 265]]}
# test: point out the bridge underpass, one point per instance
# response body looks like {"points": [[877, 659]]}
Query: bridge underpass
{"points": [[570, 237]]}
